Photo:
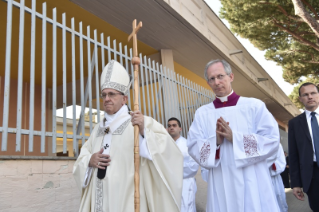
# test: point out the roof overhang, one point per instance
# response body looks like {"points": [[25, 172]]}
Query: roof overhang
{"points": [[195, 36]]}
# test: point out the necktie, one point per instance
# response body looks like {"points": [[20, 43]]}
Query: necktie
{"points": [[315, 134]]}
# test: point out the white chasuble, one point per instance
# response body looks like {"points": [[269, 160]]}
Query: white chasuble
{"points": [[238, 179], [160, 178], [190, 169]]}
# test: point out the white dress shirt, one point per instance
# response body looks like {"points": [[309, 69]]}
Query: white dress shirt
{"points": [[308, 116]]}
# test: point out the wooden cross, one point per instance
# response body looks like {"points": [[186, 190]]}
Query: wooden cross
{"points": [[133, 35], [136, 61]]}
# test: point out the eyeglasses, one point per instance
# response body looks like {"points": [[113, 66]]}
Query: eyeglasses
{"points": [[219, 77], [172, 125], [111, 95], [307, 94]]}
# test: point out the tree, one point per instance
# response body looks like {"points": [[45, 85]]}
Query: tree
{"points": [[287, 29], [294, 96]]}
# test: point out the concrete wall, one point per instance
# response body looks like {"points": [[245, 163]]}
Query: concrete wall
{"points": [[37, 185]]}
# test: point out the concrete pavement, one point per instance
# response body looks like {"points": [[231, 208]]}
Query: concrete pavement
{"points": [[294, 205]]}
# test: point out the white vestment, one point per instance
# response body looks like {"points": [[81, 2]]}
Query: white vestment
{"points": [[239, 180], [280, 164], [204, 172], [160, 177], [189, 182]]}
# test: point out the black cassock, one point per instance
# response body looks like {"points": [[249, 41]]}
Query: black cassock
{"points": [[285, 175]]}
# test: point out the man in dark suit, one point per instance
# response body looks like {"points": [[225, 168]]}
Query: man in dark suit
{"points": [[303, 140]]}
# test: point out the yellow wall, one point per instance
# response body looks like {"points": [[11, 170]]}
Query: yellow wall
{"points": [[190, 75]]}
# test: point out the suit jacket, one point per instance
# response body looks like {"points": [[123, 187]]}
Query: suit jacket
{"points": [[300, 152]]}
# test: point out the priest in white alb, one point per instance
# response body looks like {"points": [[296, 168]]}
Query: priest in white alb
{"points": [[104, 170], [277, 164], [190, 167], [232, 137]]}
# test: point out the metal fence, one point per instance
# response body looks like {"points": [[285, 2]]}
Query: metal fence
{"points": [[70, 63]]}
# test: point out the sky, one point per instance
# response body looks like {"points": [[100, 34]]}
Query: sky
{"points": [[269, 66]]}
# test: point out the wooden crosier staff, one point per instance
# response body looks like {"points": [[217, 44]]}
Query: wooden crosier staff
{"points": [[136, 62]]}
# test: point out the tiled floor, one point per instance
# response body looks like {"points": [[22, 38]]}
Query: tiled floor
{"points": [[294, 205]]}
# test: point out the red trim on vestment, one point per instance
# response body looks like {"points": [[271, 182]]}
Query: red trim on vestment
{"points": [[217, 153]]}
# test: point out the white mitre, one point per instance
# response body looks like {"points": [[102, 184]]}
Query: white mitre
{"points": [[115, 76]]}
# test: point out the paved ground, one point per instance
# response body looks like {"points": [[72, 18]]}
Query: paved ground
{"points": [[294, 205]]}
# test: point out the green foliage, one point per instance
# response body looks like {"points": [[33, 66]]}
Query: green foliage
{"points": [[294, 96], [272, 26]]}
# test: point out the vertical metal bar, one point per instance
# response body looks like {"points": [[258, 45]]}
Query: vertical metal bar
{"points": [[142, 84], [164, 96], [186, 103], [205, 97], [102, 51], [180, 103], [146, 80], [114, 47], [88, 84], [75, 142], [199, 96], [201, 89], [81, 120], [20, 77], [167, 98], [175, 97], [128, 71], [132, 74], [171, 97], [151, 85], [206, 92], [97, 77], [181, 107], [7, 78], [109, 49], [169, 103], [171, 107], [121, 54], [190, 101], [155, 89], [194, 99], [54, 54], [160, 86], [32, 81], [86, 94], [64, 82], [44, 76], [190, 93]]}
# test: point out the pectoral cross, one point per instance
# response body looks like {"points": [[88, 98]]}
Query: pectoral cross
{"points": [[106, 146]]}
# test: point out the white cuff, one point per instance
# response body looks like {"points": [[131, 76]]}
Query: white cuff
{"points": [[144, 152], [87, 178]]}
